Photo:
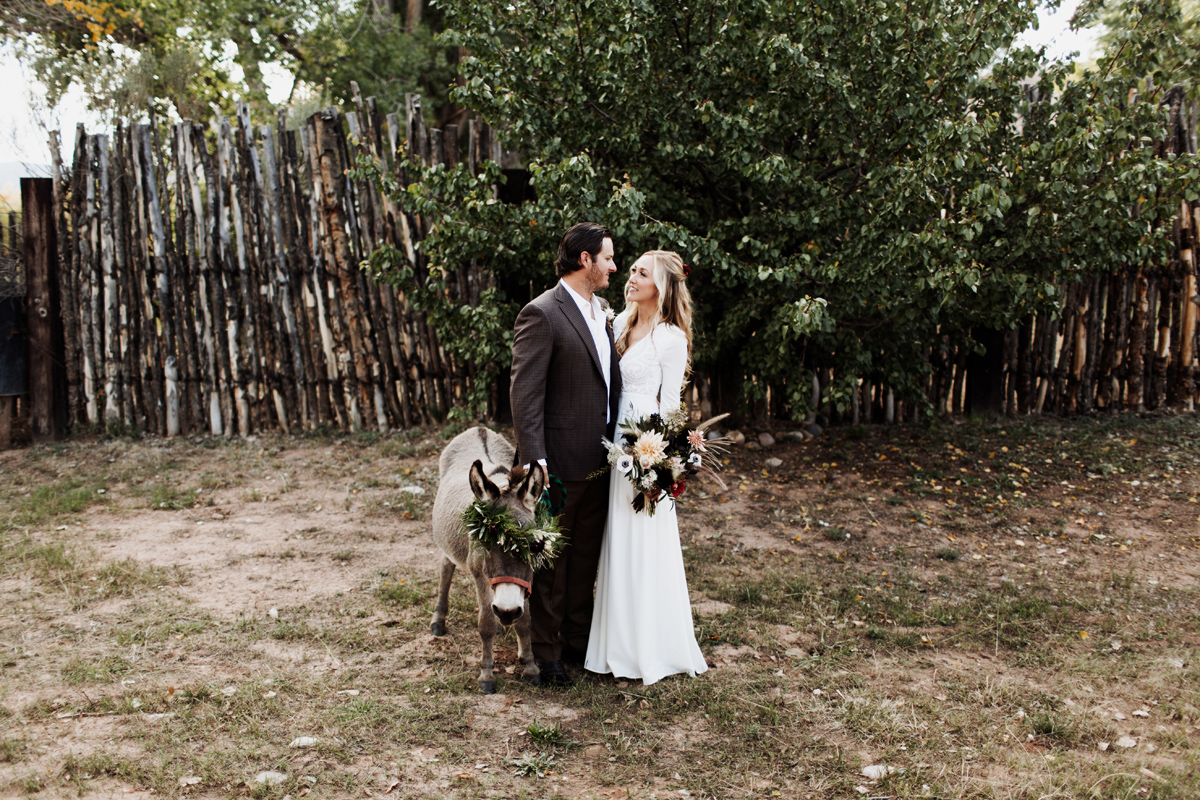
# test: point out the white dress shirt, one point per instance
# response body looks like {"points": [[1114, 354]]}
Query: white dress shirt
{"points": [[597, 321]]}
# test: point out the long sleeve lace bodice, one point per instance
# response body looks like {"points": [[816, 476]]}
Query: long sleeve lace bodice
{"points": [[653, 369]]}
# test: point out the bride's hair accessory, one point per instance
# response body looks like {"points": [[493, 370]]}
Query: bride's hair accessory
{"points": [[686, 270]]}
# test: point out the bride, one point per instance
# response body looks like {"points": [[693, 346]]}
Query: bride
{"points": [[642, 621]]}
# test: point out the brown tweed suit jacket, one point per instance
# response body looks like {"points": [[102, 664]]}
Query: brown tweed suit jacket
{"points": [[559, 403]]}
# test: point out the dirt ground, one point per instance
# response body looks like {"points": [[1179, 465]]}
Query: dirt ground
{"points": [[974, 610]]}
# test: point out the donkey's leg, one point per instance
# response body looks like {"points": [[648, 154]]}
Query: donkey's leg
{"points": [[524, 626], [487, 633], [443, 601]]}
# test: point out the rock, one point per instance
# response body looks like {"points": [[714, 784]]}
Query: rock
{"points": [[270, 778], [737, 437], [773, 462], [877, 771], [814, 429], [1127, 742], [753, 446], [766, 439], [595, 752], [412, 489], [303, 741], [190, 780], [796, 436], [1102, 746]]}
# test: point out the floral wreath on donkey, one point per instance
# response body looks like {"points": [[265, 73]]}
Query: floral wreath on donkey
{"points": [[538, 543]]}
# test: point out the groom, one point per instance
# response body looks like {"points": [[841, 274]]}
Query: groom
{"points": [[564, 392]]}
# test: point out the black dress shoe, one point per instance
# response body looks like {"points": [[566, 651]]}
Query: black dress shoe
{"points": [[574, 656], [553, 674]]}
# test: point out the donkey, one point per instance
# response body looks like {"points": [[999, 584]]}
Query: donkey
{"points": [[474, 466]]}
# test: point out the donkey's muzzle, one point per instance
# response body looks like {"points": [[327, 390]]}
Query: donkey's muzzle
{"points": [[507, 616]]}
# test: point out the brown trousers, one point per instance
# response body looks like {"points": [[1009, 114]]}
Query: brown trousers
{"points": [[562, 597]]}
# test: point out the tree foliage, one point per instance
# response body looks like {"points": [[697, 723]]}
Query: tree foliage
{"points": [[198, 58], [852, 181], [1167, 59]]}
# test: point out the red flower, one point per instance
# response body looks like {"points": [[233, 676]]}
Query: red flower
{"points": [[679, 487]]}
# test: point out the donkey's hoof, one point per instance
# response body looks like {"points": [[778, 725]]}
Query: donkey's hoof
{"points": [[487, 687], [533, 680], [438, 628]]}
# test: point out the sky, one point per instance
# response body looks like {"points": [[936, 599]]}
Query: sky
{"points": [[25, 118]]}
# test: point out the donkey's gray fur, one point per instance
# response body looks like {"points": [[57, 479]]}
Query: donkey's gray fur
{"points": [[475, 465]]}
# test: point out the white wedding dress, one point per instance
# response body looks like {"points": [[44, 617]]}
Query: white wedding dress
{"points": [[642, 622]]}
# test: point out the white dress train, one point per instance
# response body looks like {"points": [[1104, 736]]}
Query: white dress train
{"points": [[642, 622]]}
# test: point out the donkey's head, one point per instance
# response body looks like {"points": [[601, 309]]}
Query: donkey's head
{"points": [[510, 576]]}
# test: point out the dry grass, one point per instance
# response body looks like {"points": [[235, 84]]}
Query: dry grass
{"points": [[997, 612]]}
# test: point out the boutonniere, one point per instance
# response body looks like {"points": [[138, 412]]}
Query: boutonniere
{"points": [[610, 315]]}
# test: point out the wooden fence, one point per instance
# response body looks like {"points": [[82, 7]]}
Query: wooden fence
{"points": [[218, 289], [1126, 340], [210, 283]]}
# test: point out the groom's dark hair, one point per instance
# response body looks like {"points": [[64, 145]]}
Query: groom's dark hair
{"points": [[580, 238]]}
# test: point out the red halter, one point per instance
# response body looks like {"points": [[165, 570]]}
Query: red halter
{"points": [[510, 579]]}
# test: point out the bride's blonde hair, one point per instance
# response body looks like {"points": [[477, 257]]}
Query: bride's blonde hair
{"points": [[674, 299]]}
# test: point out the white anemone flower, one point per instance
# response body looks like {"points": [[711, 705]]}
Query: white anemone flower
{"points": [[624, 464]]}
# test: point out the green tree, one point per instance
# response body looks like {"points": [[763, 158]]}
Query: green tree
{"points": [[198, 58], [1169, 58], [851, 180]]}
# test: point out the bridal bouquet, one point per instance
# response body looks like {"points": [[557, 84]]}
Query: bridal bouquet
{"points": [[657, 453]]}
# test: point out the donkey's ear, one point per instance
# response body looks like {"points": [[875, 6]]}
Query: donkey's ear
{"points": [[483, 488], [531, 487]]}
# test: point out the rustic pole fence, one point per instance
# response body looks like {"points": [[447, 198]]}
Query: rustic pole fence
{"points": [[210, 283]]}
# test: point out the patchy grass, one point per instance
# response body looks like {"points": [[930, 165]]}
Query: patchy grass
{"points": [[1015, 605], [38, 506]]}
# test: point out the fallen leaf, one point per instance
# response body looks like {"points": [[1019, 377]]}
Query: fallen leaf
{"points": [[191, 780]]}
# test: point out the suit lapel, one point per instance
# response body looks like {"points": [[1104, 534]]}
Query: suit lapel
{"points": [[573, 314], [614, 371]]}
